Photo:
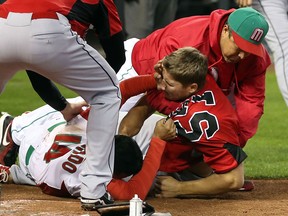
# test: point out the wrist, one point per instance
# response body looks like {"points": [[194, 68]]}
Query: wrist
{"points": [[180, 190], [62, 106]]}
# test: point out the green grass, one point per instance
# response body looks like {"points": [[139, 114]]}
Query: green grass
{"points": [[19, 95], [267, 150]]}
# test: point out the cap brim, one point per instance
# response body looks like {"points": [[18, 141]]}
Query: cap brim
{"points": [[247, 46]]}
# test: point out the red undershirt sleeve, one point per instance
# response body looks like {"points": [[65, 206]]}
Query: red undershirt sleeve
{"points": [[131, 87], [140, 183], [136, 85]]}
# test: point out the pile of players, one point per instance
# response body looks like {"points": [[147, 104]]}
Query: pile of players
{"points": [[205, 75]]}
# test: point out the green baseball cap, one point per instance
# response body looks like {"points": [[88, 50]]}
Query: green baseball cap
{"points": [[249, 28]]}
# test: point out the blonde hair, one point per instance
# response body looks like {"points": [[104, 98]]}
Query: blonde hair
{"points": [[187, 65]]}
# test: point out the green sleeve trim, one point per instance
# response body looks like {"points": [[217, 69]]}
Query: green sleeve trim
{"points": [[56, 125], [28, 155]]}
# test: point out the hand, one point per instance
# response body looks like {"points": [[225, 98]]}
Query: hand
{"points": [[165, 129], [72, 109], [167, 187], [243, 3]]}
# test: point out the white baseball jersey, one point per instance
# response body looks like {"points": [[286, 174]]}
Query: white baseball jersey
{"points": [[52, 151], [127, 71]]}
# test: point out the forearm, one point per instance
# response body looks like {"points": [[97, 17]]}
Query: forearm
{"points": [[133, 121], [211, 185], [52, 96], [47, 91], [136, 85]]}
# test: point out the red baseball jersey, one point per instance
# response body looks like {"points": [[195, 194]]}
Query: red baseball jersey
{"points": [[203, 33], [207, 123]]}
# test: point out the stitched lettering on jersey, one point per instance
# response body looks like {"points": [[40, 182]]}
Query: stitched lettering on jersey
{"points": [[74, 158], [207, 97], [60, 147], [200, 123]]}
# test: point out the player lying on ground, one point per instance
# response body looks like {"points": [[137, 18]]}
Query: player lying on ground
{"points": [[59, 52], [80, 172], [179, 88], [51, 154], [206, 122]]}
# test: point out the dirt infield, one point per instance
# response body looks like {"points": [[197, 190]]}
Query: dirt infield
{"points": [[270, 197]]}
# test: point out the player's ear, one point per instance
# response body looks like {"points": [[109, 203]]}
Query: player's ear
{"points": [[192, 88], [225, 29]]}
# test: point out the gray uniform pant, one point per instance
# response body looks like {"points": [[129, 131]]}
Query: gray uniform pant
{"points": [[50, 48], [276, 13]]}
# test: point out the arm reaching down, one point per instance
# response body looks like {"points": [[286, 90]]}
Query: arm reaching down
{"points": [[133, 121], [140, 183], [53, 97]]}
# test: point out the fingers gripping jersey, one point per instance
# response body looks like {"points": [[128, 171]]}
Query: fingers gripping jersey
{"points": [[206, 122]]}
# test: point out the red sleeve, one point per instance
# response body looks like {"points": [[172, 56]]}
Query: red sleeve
{"points": [[136, 85], [131, 87], [250, 96], [140, 184]]}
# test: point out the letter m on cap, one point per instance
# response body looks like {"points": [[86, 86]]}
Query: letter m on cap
{"points": [[257, 34]]}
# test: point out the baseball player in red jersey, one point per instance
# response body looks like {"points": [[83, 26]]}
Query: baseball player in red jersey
{"points": [[47, 38], [206, 123], [231, 39], [229, 170], [59, 148]]}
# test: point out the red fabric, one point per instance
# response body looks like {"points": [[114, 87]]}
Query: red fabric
{"points": [[62, 192], [136, 85], [79, 13], [129, 88], [205, 124], [203, 33], [121, 190]]}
